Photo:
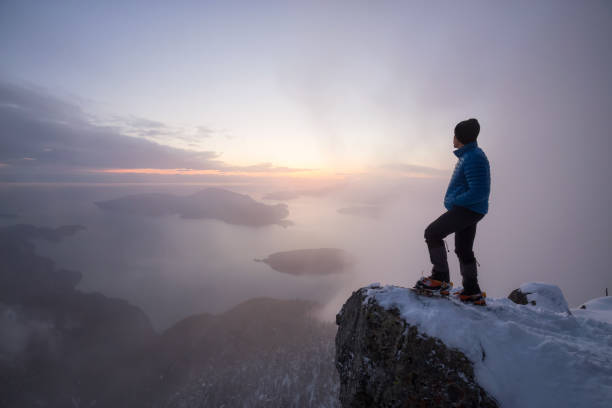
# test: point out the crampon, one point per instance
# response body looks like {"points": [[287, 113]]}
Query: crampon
{"points": [[432, 287], [477, 298]]}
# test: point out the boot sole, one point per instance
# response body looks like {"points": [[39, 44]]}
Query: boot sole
{"points": [[446, 294], [430, 293]]}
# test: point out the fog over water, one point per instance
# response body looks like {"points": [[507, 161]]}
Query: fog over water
{"points": [[173, 267]]}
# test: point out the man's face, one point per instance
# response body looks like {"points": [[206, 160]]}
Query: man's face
{"points": [[456, 142]]}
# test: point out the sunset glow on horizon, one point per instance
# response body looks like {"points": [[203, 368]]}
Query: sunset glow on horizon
{"points": [[315, 174], [190, 172]]}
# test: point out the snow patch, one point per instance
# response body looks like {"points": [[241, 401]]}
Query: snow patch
{"points": [[597, 309]]}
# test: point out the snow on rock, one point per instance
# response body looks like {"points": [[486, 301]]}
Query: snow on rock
{"points": [[596, 309], [545, 296], [524, 356]]}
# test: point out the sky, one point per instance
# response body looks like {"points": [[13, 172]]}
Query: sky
{"points": [[316, 94], [339, 86]]}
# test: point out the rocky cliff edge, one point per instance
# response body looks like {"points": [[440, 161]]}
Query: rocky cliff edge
{"points": [[395, 348]]}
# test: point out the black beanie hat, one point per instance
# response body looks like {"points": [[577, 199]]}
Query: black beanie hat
{"points": [[467, 131]]}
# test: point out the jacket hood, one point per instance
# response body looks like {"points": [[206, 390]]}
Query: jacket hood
{"points": [[460, 151]]}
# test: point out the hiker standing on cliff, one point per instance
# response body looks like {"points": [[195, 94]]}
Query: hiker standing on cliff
{"points": [[467, 202]]}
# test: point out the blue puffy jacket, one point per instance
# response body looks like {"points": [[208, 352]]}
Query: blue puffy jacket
{"points": [[470, 184]]}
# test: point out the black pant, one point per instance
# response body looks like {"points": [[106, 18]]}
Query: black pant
{"points": [[460, 220]]}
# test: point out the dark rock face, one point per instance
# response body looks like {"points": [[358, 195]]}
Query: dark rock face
{"points": [[385, 362], [519, 297]]}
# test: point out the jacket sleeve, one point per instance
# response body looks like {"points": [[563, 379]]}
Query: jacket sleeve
{"points": [[477, 174]]}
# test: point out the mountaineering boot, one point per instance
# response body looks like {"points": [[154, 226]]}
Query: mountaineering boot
{"points": [[469, 273], [477, 298], [433, 286], [471, 290], [439, 279]]}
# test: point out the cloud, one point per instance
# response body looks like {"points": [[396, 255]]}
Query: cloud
{"points": [[17, 331], [265, 167], [141, 122], [285, 195], [205, 131], [371, 211], [158, 132], [36, 101], [41, 135], [38, 126]]}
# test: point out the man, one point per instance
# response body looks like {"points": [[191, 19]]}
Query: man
{"points": [[467, 202]]}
